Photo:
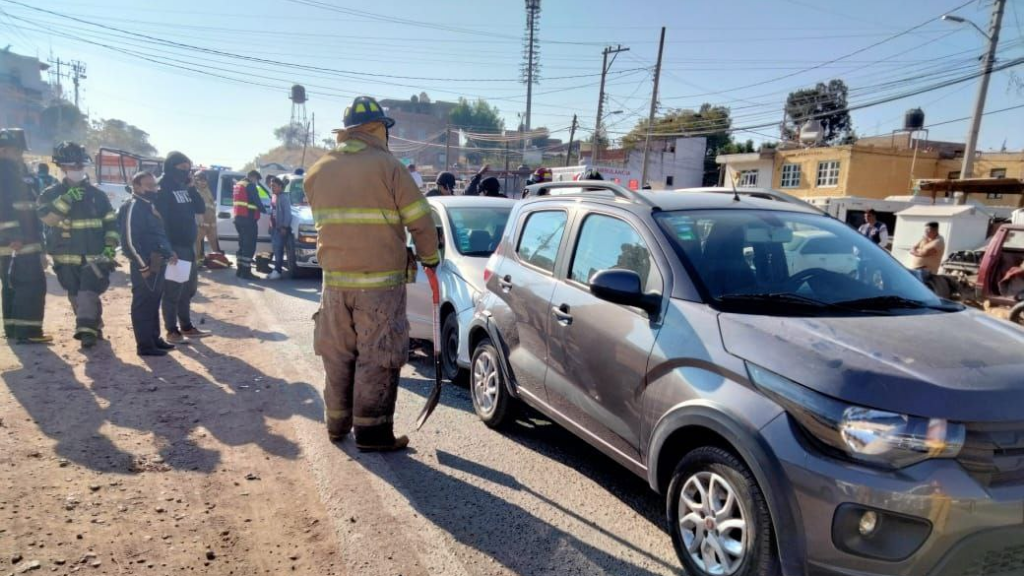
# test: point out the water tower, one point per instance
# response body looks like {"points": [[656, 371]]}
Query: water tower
{"points": [[298, 98]]}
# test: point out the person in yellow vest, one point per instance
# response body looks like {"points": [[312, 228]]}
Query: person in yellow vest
{"points": [[363, 201]]}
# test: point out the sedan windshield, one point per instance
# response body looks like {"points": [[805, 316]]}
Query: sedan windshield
{"points": [[772, 261], [477, 230]]}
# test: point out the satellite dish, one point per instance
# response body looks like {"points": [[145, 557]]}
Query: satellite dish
{"points": [[812, 132]]}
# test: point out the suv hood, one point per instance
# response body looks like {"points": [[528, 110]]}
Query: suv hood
{"points": [[964, 366], [302, 213]]}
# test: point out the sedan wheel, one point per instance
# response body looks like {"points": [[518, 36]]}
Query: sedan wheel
{"points": [[712, 523]]}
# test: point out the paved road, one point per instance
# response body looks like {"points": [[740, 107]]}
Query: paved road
{"points": [[468, 500]]}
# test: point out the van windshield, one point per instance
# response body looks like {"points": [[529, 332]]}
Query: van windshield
{"points": [[763, 261]]}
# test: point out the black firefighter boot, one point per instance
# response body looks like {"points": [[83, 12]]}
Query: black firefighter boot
{"points": [[379, 439]]}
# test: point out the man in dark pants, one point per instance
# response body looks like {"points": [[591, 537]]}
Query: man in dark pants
{"points": [[247, 209], [21, 247], [180, 205], [144, 241]]}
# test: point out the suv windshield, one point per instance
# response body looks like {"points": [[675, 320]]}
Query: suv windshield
{"points": [[771, 261], [478, 230]]}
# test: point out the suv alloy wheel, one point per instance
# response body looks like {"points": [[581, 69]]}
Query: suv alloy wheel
{"points": [[718, 517], [491, 400]]}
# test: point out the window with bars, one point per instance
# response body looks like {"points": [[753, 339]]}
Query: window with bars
{"points": [[790, 176], [828, 173], [748, 179]]}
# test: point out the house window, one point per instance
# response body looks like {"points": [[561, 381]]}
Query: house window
{"points": [[955, 175], [670, 181], [748, 179], [997, 173], [790, 176], [828, 174]]}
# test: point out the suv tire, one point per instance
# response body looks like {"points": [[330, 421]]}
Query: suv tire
{"points": [[491, 399], [450, 350], [720, 488]]}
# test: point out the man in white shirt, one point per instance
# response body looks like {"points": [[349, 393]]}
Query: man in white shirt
{"points": [[877, 231], [416, 176]]}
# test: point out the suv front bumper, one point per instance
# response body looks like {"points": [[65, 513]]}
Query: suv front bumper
{"points": [[973, 530]]}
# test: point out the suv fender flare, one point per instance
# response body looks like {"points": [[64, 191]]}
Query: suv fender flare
{"points": [[483, 320], [751, 447]]}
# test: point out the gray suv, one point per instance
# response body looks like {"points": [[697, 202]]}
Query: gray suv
{"points": [[811, 418]]}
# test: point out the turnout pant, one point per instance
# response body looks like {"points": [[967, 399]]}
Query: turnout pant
{"points": [[208, 232], [84, 284], [177, 296], [24, 295], [362, 336], [146, 293], [246, 243]]}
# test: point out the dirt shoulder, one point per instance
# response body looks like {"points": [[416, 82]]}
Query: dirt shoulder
{"points": [[112, 464]]}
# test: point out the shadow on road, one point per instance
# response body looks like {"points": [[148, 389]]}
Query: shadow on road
{"points": [[511, 535]]}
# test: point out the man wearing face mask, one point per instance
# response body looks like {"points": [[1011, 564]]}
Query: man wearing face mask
{"points": [[179, 203], [81, 238], [21, 246], [145, 243]]}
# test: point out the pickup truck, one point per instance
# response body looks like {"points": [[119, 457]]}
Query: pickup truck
{"points": [[302, 249]]}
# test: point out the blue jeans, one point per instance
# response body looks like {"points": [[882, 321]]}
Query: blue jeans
{"points": [[280, 242]]}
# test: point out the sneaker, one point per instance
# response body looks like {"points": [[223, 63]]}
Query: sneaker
{"points": [[275, 275], [152, 352], [162, 344], [399, 443], [194, 332], [176, 338]]}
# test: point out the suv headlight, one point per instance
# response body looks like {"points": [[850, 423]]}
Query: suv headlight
{"points": [[307, 234], [867, 435]]}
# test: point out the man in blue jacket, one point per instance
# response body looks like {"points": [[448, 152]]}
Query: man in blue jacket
{"points": [[179, 203], [144, 241]]}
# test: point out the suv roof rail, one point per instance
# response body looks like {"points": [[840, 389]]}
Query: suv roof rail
{"points": [[544, 189], [763, 193]]}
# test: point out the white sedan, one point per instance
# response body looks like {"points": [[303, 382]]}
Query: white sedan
{"points": [[819, 249], [469, 230]]}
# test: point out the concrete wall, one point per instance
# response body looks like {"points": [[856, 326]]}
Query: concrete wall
{"points": [[684, 162], [764, 166]]}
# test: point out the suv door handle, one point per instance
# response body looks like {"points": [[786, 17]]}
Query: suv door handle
{"points": [[561, 313], [505, 282]]}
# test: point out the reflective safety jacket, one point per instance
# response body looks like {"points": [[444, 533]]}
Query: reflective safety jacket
{"points": [[363, 202], [81, 228], [18, 219], [246, 200]]}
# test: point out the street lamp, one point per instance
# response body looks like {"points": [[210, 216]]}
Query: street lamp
{"points": [[987, 61]]}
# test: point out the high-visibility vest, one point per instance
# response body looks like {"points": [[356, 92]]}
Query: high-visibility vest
{"points": [[242, 204]]}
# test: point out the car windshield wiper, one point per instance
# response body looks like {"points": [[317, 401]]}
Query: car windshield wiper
{"points": [[892, 302], [776, 297]]}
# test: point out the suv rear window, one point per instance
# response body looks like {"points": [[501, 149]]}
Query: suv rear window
{"points": [[538, 245]]}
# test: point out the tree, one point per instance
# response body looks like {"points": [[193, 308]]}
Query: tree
{"points": [[114, 133], [708, 121], [737, 147], [827, 104], [476, 117], [63, 121], [291, 135]]}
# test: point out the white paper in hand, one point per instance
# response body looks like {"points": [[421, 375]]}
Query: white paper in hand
{"points": [[178, 272]]}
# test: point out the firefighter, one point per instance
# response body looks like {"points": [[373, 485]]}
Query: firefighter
{"points": [[247, 209], [540, 176], [21, 246], [364, 202], [81, 238]]}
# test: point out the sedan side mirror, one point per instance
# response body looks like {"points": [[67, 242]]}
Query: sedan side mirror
{"points": [[624, 287]]}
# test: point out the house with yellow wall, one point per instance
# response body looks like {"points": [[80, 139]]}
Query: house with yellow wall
{"points": [[871, 168]]}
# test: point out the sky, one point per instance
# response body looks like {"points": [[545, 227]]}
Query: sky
{"points": [[219, 90]]}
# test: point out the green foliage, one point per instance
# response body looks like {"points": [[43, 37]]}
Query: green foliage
{"points": [[827, 103], [477, 116], [737, 147], [291, 135], [63, 121], [114, 133], [711, 122]]}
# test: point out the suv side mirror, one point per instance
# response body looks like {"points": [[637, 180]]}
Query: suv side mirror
{"points": [[624, 287]]}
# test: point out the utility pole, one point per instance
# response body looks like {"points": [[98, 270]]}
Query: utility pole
{"points": [[532, 52], [447, 147], [600, 99], [654, 108], [572, 134], [76, 73], [988, 60]]}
